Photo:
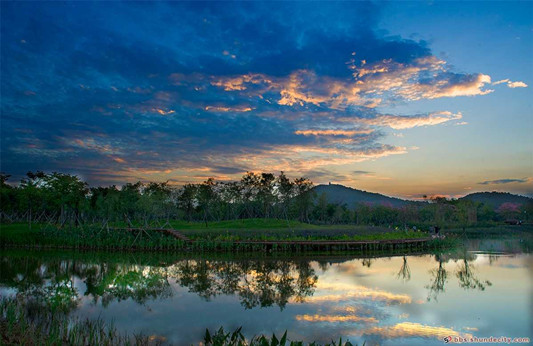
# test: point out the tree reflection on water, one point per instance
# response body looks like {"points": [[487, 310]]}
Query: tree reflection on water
{"points": [[60, 284], [256, 282], [465, 273], [405, 272]]}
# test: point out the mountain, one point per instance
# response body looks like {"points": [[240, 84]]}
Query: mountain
{"points": [[495, 199], [341, 194]]}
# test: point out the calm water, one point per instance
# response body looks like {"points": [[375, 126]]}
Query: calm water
{"points": [[407, 300]]}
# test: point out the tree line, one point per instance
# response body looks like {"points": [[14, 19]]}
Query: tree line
{"points": [[437, 211], [65, 199], [61, 199]]}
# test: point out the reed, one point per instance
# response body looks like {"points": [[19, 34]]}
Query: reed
{"points": [[214, 240], [236, 338], [21, 324]]}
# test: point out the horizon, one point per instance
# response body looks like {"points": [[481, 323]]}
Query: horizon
{"points": [[391, 98], [420, 198]]}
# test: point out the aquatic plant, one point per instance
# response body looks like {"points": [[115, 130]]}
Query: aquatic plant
{"points": [[236, 338], [21, 324]]}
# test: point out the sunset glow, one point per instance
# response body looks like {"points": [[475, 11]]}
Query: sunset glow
{"points": [[120, 92]]}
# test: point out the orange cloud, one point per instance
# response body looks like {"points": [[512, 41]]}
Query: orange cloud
{"points": [[300, 87], [305, 86], [469, 87], [369, 86], [361, 292], [239, 83], [228, 109], [404, 79], [332, 132], [409, 329], [118, 159], [163, 112], [335, 318], [95, 144], [399, 122]]}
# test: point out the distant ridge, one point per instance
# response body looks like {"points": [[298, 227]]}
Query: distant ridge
{"points": [[340, 194], [496, 199]]}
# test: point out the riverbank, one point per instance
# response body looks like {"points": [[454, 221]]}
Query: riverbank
{"points": [[497, 230], [251, 235]]}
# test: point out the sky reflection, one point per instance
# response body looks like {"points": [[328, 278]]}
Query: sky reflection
{"points": [[359, 299]]}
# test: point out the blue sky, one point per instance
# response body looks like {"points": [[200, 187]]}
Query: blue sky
{"points": [[403, 98]]}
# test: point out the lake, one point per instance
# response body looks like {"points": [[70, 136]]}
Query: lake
{"points": [[482, 290]]}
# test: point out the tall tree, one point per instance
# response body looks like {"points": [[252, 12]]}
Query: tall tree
{"points": [[31, 192], [206, 194], [304, 197], [70, 192], [285, 190]]}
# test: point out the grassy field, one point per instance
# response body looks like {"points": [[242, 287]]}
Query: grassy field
{"points": [[255, 224], [320, 234], [499, 231], [19, 235], [275, 229], [217, 236]]}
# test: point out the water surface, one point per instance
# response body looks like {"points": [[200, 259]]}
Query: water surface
{"points": [[409, 300]]}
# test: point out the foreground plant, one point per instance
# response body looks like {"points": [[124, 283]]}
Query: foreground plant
{"points": [[236, 338], [36, 325], [24, 323]]}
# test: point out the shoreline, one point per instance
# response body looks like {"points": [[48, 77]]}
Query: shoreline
{"points": [[394, 246]]}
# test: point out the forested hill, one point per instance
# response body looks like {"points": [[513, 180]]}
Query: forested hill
{"points": [[339, 194], [496, 199]]}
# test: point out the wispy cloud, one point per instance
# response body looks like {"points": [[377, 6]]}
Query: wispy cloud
{"points": [[517, 85], [163, 112], [510, 84], [400, 122], [219, 91], [503, 181], [410, 329], [228, 109], [331, 132], [336, 318], [362, 172]]}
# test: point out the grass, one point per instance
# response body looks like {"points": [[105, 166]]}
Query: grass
{"points": [[223, 338], [510, 237], [257, 224], [220, 236], [250, 224], [21, 324], [34, 324], [354, 234], [92, 237], [498, 231]]}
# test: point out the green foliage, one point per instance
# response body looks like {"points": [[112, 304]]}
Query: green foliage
{"points": [[316, 233], [89, 237], [60, 210], [21, 324], [65, 200], [223, 338], [300, 238], [61, 199], [25, 325]]}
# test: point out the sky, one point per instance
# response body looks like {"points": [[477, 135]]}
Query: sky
{"points": [[401, 98]]}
